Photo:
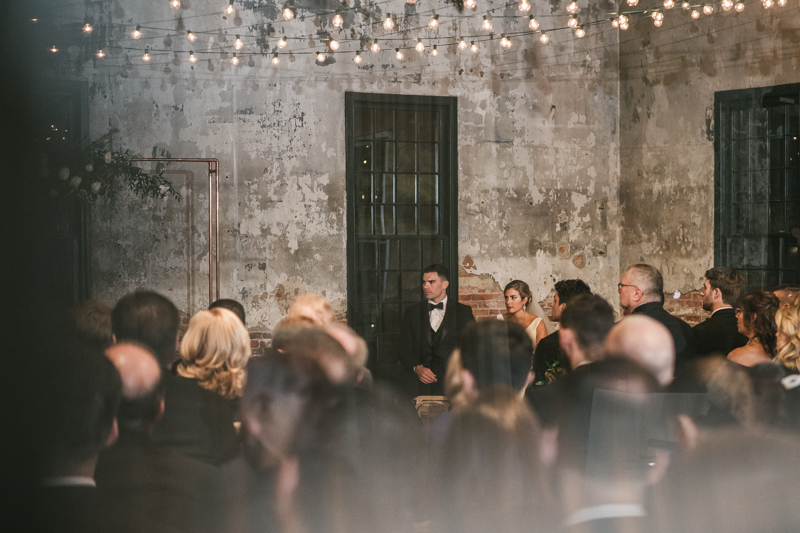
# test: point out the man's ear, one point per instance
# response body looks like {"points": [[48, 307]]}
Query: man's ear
{"points": [[445, 284], [716, 295], [160, 413], [548, 446], [113, 435], [113, 339], [468, 382]]}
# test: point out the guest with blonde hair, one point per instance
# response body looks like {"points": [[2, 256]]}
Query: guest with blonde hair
{"points": [[314, 307], [787, 320], [215, 351]]}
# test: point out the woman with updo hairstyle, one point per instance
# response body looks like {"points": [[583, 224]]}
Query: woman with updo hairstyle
{"points": [[214, 351], [787, 320], [756, 320], [518, 299]]}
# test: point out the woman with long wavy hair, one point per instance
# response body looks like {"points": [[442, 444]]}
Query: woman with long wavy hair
{"points": [[756, 319], [787, 320]]}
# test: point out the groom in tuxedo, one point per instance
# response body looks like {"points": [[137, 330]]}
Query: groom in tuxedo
{"points": [[430, 331]]}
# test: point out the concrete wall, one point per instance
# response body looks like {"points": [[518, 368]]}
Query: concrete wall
{"points": [[538, 157], [668, 77]]}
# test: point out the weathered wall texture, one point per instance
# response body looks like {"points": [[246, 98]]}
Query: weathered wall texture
{"points": [[668, 77], [538, 160]]}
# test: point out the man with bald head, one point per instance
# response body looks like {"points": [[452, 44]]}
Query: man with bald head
{"points": [[149, 488], [641, 292], [645, 341]]}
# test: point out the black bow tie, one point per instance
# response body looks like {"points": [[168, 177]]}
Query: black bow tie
{"points": [[431, 306]]}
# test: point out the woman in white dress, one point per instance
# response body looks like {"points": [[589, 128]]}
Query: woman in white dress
{"points": [[518, 297]]}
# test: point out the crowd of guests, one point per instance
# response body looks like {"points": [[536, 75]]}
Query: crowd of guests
{"points": [[637, 425]]}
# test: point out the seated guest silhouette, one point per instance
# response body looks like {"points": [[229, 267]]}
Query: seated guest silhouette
{"points": [[719, 334], [756, 320]]}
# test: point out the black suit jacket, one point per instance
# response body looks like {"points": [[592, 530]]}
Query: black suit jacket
{"points": [[681, 332], [417, 339], [718, 334], [548, 351]]}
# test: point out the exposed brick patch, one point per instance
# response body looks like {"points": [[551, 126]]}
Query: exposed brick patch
{"points": [[688, 307]]}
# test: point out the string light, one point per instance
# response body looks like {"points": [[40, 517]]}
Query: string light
{"points": [[338, 21], [321, 57], [434, 22], [420, 46], [473, 47], [658, 16], [230, 9], [524, 6], [487, 24], [54, 49], [695, 14], [388, 24], [191, 36], [686, 5], [573, 8], [288, 13], [767, 3], [175, 4], [782, 3], [658, 22], [137, 32], [434, 51], [470, 4], [238, 44], [398, 54], [333, 44], [375, 48], [275, 59], [357, 60], [87, 28], [504, 41], [573, 22], [726, 5], [146, 56], [632, 3], [282, 43], [192, 58], [462, 44], [544, 38], [739, 7], [101, 54], [669, 4], [234, 60], [580, 33], [708, 9], [623, 22], [533, 23]]}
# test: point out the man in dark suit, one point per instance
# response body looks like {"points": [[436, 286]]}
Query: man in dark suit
{"points": [[641, 291], [719, 334], [430, 331]]}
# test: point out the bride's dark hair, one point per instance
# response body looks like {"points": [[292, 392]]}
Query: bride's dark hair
{"points": [[522, 288]]}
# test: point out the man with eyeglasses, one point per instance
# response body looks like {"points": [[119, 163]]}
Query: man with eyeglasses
{"points": [[641, 291]]}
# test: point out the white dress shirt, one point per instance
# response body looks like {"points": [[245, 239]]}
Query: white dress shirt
{"points": [[437, 315]]}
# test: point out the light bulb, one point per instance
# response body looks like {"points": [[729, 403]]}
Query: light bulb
{"points": [[375, 48], [282, 42], [573, 22], [398, 54], [434, 22], [473, 47], [487, 24], [657, 15], [782, 3], [411, 2], [275, 59], [739, 7], [175, 4], [533, 23], [544, 38], [146, 56], [338, 21], [230, 9], [238, 44], [623, 19], [767, 3], [695, 14], [657, 23], [470, 4], [669, 4], [726, 5], [420, 46], [137, 32], [321, 57], [633, 2], [504, 41], [234, 60], [686, 5], [388, 24], [623, 26], [87, 28], [524, 6], [462, 44], [100, 54], [357, 60], [573, 8], [615, 23], [708, 9], [191, 36], [434, 51], [580, 33], [288, 13], [54, 49], [333, 44], [192, 58]]}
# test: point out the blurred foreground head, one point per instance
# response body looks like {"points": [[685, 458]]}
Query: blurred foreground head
{"points": [[314, 307], [142, 403], [309, 340], [645, 341], [148, 318], [92, 320]]}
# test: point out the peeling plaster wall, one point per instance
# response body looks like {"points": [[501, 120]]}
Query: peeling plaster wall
{"points": [[668, 77], [538, 162]]}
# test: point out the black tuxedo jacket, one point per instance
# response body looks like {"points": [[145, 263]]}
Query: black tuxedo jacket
{"points": [[718, 334], [418, 346], [681, 332]]}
